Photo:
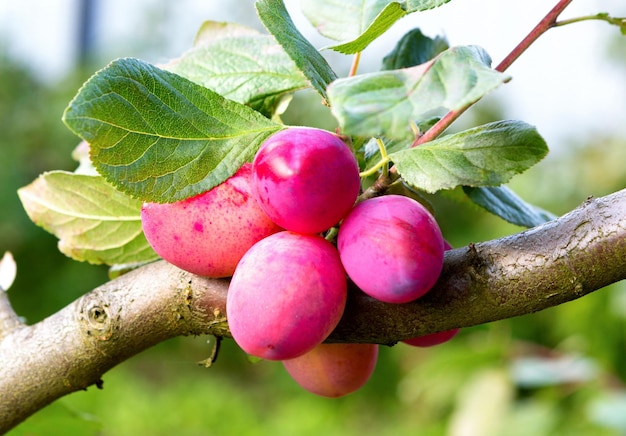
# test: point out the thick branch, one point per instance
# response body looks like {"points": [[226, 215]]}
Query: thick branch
{"points": [[560, 261]]}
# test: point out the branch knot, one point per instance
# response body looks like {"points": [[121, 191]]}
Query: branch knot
{"points": [[94, 316]]}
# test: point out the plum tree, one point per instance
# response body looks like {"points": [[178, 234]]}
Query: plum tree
{"points": [[163, 137], [305, 179], [286, 296], [392, 248], [334, 370], [209, 233]]}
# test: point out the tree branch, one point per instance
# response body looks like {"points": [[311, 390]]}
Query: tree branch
{"points": [[557, 262], [9, 321]]}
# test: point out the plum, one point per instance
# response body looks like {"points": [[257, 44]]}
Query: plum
{"points": [[334, 370], [209, 233], [432, 339], [305, 179], [391, 248], [286, 296]]}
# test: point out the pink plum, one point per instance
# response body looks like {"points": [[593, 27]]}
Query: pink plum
{"points": [[286, 296], [432, 339], [392, 248], [208, 234], [334, 370], [305, 179]]}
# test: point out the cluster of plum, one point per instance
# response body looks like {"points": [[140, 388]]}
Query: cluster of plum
{"points": [[263, 227]]}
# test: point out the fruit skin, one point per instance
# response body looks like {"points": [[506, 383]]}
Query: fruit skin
{"points": [[432, 339], [334, 370], [392, 248], [209, 233], [305, 179], [286, 296]]}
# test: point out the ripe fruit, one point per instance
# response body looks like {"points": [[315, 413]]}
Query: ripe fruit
{"points": [[286, 296], [305, 179], [334, 370], [392, 248], [209, 233], [432, 339]]}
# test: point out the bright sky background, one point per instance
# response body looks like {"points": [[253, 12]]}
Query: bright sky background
{"points": [[564, 84]]}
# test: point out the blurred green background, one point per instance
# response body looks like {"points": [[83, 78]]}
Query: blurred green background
{"points": [[558, 372]]}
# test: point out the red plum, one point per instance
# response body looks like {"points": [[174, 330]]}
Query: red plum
{"points": [[286, 296]]}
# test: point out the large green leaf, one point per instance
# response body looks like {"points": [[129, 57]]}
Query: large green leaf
{"points": [[487, 155], [385, 103], [277, 21], [414, 48], [359, 22], [93, 221], [506, 204], [240, 64], [160, 137], [383, 21]]}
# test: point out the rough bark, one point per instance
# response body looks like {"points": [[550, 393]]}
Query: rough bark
{"points": [[557, 262]]}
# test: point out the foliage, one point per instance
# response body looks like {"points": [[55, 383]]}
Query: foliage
{"points": [[103, 214], [158, 136]]}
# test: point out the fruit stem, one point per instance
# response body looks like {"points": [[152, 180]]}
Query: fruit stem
{"points": [[331, 234], [355, 64], [382, 164]]}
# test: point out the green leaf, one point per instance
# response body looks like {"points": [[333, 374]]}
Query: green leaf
{"points": [[414, 48], [487, 155], [160, 137], [344, 20], [240, 64], [503, 202], [277, 21], [359, 22], [383, 21], [93, 221], [385, 103], [423, 5]]}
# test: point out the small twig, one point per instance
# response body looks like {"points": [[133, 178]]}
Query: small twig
{"points": [[546, 23], [602, 16], [438, 128], [380, 186], [209, 361]]}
